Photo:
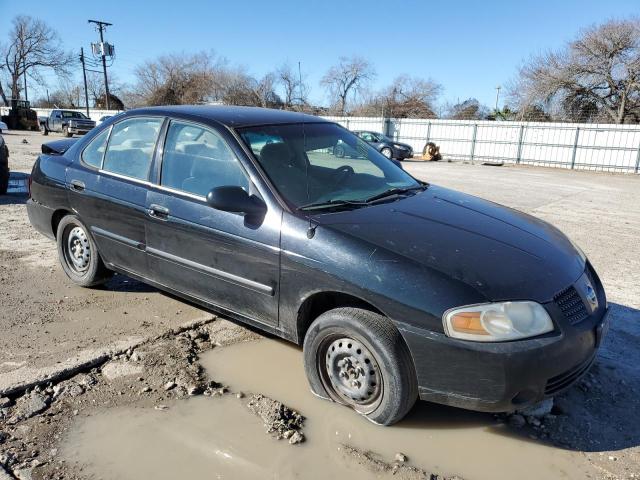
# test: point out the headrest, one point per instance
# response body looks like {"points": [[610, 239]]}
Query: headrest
{"points": [[276, 155]]}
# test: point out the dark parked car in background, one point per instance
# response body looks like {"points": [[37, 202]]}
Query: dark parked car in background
{"points": [[385, 145], [396, 289], [68, 122], [4, 166]]}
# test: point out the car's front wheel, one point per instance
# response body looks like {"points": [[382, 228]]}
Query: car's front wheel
{"points": [[358, 358], [386, 151], [78, 253]]}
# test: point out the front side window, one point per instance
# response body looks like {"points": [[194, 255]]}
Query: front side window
{"points": [[93, 153], [131, 147], [322, 162], [196, 160]]}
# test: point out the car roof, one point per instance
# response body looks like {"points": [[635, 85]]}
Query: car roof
{"points": [[231, 116]]}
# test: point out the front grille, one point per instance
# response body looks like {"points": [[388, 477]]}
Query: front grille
{"points": [[571, 305], [564, 380]]}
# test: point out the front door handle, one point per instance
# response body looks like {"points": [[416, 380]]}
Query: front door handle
{"points": [[158, 211], [76, 186]]}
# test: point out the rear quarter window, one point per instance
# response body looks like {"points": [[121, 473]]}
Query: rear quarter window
{"points": [[93, 153]]}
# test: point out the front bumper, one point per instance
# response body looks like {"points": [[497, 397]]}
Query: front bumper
{"points": [[403, 154], [502, 376], [79, 130]]}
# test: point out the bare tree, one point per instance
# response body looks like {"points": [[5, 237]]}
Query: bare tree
{"points": [[295, 89], [32, 46], [595, 77], [237, 87], [349, 76], [176, 79], [406, 97], [470, 109]]}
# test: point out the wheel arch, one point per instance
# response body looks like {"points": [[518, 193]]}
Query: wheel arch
{"points": [[320, 302], [58, 215]]}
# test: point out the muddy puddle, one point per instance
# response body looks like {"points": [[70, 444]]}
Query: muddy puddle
{"points": [[219, 438]]}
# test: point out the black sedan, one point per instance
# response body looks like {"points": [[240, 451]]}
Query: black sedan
{"points": [[385, 145], [397, 289]]}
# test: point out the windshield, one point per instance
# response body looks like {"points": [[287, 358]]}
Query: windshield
{"points": [[322, 162]]}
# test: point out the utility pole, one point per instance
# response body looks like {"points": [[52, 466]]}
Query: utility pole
{"points": [[497, 97], [24, 69], [84, 76], [101, 27], [300, 86]]}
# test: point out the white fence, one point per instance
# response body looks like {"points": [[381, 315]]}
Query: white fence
{"points": [[601, 147], [94, 114]]}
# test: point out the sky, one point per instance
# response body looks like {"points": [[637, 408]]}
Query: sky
{"points": [[469, 47]]}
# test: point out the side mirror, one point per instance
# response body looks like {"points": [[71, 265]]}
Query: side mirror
{"points": [[235, 199]]}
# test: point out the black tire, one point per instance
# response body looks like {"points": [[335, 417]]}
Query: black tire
{"points": [[83, 266], [66, 133], [43, 129], [374, 354], [338, 151], [387, 152]]}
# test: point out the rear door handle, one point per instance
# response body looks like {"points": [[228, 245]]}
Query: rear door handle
{"points": [[158, 211], [76, 185]]}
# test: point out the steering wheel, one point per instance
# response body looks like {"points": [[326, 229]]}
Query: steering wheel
{"points": [[341, 174]]}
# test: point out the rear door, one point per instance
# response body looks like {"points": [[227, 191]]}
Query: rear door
{"points": [[223, 258], [108, 189]]}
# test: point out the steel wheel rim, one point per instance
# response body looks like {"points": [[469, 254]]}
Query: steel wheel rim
{"points": [[350, 373], [77, 249], [386, 152]]}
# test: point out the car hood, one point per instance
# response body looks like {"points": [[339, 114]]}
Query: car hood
{"points": [[500, 252]]}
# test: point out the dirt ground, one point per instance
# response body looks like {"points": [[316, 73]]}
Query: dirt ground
{"points": [[94, 352]]}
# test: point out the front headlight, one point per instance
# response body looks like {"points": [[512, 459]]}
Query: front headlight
{"points": [[497, 322]]}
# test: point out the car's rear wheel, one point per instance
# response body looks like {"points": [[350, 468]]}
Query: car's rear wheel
{"points": [[386, 151], [338, 151], [78, 253], [358, 358]]}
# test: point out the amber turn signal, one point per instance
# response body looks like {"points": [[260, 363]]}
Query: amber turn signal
{"points": [[468, 322]]}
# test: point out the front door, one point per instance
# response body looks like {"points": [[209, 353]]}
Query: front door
{"points": [[223, 258], [108, 189]]}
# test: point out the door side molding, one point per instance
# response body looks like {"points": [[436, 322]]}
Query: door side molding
{"points": [[229, 277]]}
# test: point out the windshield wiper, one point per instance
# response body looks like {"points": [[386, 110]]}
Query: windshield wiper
{"points": [[395, 191], [332, 204]]}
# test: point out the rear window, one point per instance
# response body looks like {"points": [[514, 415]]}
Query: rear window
{"points": [[131, 147]]}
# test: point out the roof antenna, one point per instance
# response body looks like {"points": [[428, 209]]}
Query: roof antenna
{"points": [[311, 231]]}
